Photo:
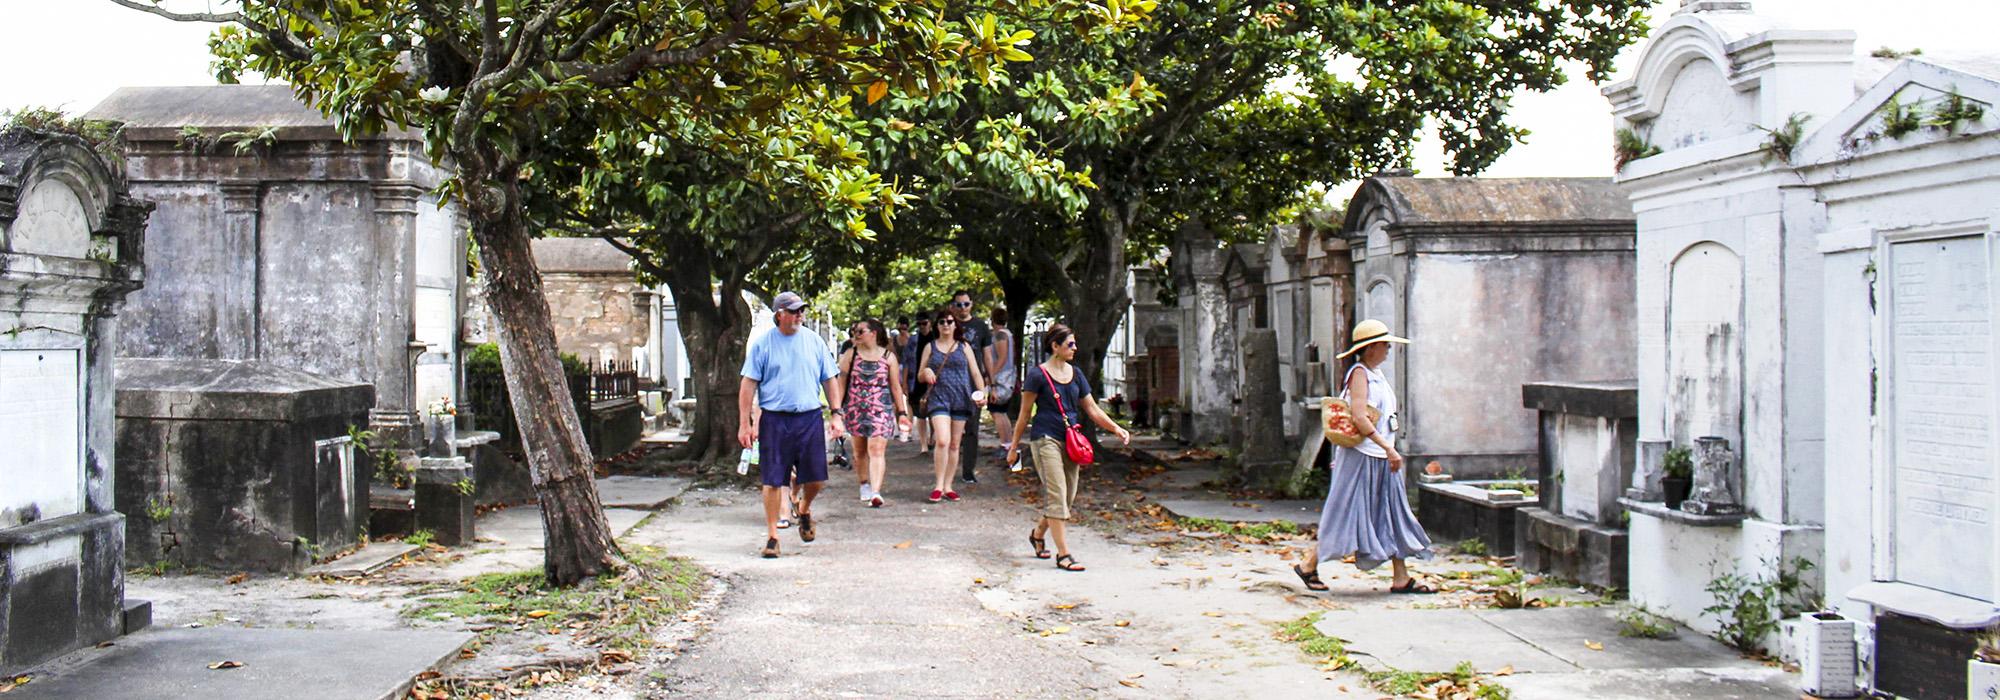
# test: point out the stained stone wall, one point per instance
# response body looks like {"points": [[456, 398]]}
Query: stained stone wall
{"points": [[70, 251]]}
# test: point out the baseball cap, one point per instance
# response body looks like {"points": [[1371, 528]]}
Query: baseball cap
{"points": [[789, 301]]}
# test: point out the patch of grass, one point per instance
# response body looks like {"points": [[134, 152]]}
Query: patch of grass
{"points": [[617, 611], [1474, 546], [1330, 651], [1644, 624], [1262, 531], [1461, 682], [421, 538], [1501, 576]]}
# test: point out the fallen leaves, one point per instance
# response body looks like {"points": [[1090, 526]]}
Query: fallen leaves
{"points": [[219, 665], [905, 544], [539, 614], [1122, 623], [1129, 683], [1593, 646], [1506, 670], [237, 578]]}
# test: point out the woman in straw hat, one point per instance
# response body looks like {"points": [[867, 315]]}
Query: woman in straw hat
{"points": [[1367, 515]]}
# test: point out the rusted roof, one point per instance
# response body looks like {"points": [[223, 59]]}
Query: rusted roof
{"points": [[1449, 200], [580, 255]]}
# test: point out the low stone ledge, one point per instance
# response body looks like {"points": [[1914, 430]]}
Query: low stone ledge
{"points": [[44, 530], [1661, 511]]}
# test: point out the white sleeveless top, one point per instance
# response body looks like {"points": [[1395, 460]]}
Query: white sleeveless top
{"points": [[1381, 398]]}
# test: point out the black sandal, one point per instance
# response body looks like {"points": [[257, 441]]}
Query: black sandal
{"points": [[1311, 578], [771, 548], [1068, 563], [1041, 546], [1413, 588]]}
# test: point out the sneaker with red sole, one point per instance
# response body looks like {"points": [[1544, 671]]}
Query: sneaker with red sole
{"points": [[936, 495], [951, 496], [875, 502]]}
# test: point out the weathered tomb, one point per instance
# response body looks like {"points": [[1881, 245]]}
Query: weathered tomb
{"points": [[279, 245], [1499, 282], [70, 252], [1906, 231], [1588, 451]]}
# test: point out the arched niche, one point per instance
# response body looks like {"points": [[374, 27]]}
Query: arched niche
{"points": [[64, 200], [1705, 344], [1701, 105], [52, 221], [1379, 303]]}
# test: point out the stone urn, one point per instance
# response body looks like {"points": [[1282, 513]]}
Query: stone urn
{"points": [[440, 435], [1716, 475]]}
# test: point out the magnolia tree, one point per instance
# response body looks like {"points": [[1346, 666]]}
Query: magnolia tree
{"points": [[489, 82], [1221, 114]]}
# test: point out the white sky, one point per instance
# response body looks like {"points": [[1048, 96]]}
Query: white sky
{"points": [[72, 53]]}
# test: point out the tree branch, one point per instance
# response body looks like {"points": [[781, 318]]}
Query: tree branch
{"points": [[622, 71], [216, 17]]}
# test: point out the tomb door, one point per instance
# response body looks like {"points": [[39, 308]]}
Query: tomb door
{"points": [[1941, 459], [1705, 345]]}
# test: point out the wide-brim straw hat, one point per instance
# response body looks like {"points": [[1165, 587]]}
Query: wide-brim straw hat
{"points": [[1370, 332]]}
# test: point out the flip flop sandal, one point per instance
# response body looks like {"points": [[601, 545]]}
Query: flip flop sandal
{"points": [[806, 531], [1068, 563], [1413, 588], [1041, 546], [1311, 579], [771, 548]]}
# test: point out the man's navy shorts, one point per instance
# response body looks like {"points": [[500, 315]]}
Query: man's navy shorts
{"points": [[792, 443]]}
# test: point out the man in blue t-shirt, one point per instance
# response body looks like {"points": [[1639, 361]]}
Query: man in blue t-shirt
{"points": [[784, 373]]}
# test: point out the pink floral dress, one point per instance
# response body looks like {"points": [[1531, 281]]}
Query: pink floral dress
{"points": [[869, 411]]}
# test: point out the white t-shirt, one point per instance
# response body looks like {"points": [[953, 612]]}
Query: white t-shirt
{"points": [[1381, 398]]}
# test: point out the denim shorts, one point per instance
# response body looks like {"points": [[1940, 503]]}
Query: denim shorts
{"points": [[955, 415], [792, 444]]}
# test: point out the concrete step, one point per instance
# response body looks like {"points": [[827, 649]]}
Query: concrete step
{"points": [[365, 561]]}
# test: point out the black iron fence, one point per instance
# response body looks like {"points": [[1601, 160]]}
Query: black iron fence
{"points": [[492, 408]]}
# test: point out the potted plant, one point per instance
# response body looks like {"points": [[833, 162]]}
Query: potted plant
{"points": [[1677, 478], [1982, 671]]}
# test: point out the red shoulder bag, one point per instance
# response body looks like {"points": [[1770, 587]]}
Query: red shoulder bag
{"points": [[1075, 446]]}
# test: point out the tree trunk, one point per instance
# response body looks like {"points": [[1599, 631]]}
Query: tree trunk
{"points": [[716, 330], [578, 540], [1096, 300]]}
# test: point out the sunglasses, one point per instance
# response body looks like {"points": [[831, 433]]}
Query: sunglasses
{"points": [[859, 331], [961, 304], [947, 323], [1071, 345]]}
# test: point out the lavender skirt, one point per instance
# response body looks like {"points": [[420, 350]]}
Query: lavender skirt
{"points": [[1367, 514]]}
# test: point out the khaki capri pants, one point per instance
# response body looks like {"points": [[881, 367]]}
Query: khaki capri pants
{"points": [[1059, 477]]}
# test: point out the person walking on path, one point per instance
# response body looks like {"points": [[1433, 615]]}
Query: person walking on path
{"points": [[1367, 513], [979, 336], [913, 349], [873, 397], [784, 372], [1054, 396], [953, 374], [1002, 362]]}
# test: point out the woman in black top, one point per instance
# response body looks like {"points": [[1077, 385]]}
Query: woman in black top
{"points": [[1050, 392]]}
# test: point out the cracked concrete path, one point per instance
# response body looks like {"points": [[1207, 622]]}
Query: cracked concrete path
{"points": [[945, 600]]}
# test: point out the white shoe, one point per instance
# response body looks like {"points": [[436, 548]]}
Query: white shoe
{"points": [[866, 494]]}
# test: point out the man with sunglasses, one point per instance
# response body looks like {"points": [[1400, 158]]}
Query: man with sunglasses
{"points": [[784, 373], [979, 336]]}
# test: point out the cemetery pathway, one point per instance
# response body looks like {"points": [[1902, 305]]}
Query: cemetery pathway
{"points": [[946, 600]]}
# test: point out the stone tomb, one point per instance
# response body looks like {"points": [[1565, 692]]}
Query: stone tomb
{"points": [[70, 250], [1588, 453], [1499, 282], [238, 465]]}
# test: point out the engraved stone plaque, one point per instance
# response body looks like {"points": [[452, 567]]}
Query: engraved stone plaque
{"points": [[41, 428], [1941, 414]]}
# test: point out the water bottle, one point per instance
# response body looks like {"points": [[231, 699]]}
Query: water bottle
{"points": [[746, 459]]}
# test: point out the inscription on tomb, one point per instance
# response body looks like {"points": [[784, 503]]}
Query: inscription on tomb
{"points": [[41, 429], [1941, 415]]}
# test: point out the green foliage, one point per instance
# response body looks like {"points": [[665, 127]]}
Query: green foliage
{"points": [[389, 466], [1889, 53], [1749, 609], [484, 359], [420, 538], [1462, 681], [1900, 119], [1678, 463], [1645, 624], [1473, 546], [1955, 109], [914, 285], [465, 487], [1330, 652], [158, 510], [1627, 146], [1779, 142], [624, 609], [104, 137], [1261, 531]]}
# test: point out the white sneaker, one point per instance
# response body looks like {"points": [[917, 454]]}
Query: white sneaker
{"points": [[866, 494]]}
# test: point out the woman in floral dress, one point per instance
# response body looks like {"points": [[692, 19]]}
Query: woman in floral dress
{"points": [[872, 402]]}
